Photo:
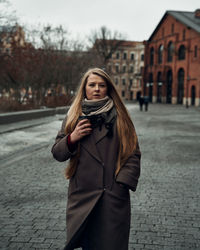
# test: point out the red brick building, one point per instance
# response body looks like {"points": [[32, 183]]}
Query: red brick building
{"points": [[172, 60]]}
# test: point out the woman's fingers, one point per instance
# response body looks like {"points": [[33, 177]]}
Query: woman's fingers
{"points": [[82, 129], [84, 125], [81, 122], [85, 130]]}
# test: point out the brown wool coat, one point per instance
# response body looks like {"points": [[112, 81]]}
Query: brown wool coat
{"points": [[97, 203]]}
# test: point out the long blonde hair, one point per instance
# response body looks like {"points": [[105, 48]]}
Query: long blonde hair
{"points": [[125, 127]]}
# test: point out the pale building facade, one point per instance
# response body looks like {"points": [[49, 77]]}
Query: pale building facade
{"points": [[11, 36], [125, 67]]}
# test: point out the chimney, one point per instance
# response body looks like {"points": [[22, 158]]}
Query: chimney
{"points": [[197, 13]]}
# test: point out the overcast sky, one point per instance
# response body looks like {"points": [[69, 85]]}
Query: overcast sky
{"points": [[135, 18]]}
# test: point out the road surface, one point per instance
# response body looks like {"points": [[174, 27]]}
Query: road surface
{"points": [[165, 207]]}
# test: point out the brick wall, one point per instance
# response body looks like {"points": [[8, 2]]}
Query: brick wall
{"points": [[180, 78]]}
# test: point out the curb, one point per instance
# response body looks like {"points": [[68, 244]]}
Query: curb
{"points": [[7, 118]]}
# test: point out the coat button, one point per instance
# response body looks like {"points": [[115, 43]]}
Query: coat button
{"points": [[102, 163], [104, 189]]}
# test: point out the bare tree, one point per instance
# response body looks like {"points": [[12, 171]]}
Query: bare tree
{"points": [[49, 60], [105, 43], [54, 37]]}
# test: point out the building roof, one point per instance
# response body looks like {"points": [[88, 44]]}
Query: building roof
{"points": [[187, 18], [130, 43], [121, 43]]}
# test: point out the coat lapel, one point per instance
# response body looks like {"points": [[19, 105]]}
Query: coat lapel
{"points": [[89, 142], [100, 134]]}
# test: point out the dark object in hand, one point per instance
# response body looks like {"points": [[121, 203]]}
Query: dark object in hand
{"points": [[95, 120], [82, 117]]}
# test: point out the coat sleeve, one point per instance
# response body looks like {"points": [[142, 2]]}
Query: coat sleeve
{"points": [[60, 149], [130, 172]]}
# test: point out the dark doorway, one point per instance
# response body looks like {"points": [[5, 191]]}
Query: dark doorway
{"points": [[193, 95], [131, 95], [169, 87], [150, 92], [180, 92], [159, 87], [150, 87]]}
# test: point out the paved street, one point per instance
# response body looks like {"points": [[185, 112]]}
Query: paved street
{"points": [[165, 207]]}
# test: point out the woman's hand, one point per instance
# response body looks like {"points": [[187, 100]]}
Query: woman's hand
{"points": [[82, 129]]}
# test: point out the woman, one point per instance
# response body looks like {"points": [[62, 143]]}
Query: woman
{"points": [[99, 138]]}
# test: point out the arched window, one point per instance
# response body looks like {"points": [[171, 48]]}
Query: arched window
{"points": [[181, 52], [150, 77], [152, 56], [170, 51], [160, 54], [117, 55]]}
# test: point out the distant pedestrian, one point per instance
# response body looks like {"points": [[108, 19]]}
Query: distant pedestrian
{"points": [[141, 102], [99, 138], [146, 102]]}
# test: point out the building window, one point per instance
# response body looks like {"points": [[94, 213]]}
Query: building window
{"points": [[123, 93], [160, 54], [109, 68], [116, 81], [125, 56], [130, 82], [8, 51], [135, 84], [151, 56], [142, 57], [110, 56], [123, 81], [184, 35], [131, 69], [170, 51], [195, 51], [132, 56], [172, 28], [117, 55], [181, 52], [124, 68], [117, 68]]}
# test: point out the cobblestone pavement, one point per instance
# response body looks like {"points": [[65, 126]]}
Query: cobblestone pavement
{"points": [[165, 207]]}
